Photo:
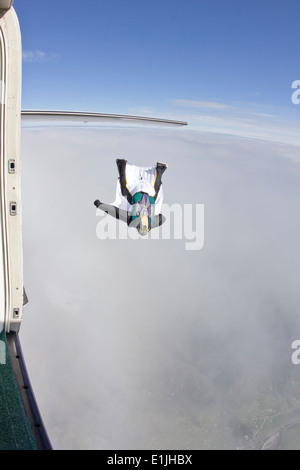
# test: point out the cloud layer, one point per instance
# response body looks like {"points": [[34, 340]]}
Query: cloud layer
{"points": [[142, 344], [200, 104], [247, 120]]}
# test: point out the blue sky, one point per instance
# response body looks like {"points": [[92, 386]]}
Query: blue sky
{"points": [[137, 56]]}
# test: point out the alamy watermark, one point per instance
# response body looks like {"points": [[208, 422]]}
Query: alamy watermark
{"points": [[296, 94], [296, 354], [182, 222]]}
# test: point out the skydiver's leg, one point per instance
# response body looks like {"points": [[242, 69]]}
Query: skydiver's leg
{"points": [[121, 164], [160, 169]]}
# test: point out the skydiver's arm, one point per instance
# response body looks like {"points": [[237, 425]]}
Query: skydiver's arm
{"points": [[119, 214], [158, 220]]}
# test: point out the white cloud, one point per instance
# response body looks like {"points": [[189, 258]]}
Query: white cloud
{"points": [[39, 56], [250, 120], [200, 104], [248, 126]]}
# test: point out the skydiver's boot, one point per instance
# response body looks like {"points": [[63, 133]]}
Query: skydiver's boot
{"points": [[162, 165], [160, 169], [121, 163]]}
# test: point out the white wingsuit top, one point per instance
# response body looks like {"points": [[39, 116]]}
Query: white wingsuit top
{"points": [[139, 196]]}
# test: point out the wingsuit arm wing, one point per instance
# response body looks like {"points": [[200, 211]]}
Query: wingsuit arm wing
{"points": [[158, 220], [119, 214]]}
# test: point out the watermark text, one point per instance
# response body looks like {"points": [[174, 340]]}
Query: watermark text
{"points": [[181, 222], [296, 93]]}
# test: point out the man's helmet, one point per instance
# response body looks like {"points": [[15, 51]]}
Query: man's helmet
{"points": [[143, 209]]}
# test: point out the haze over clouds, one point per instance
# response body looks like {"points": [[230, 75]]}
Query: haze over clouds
{"points": [[252, 120], [142, 344], [200, 104], [246, 120]]}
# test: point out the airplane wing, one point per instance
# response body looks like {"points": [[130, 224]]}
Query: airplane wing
{"points": [[85, 117]]}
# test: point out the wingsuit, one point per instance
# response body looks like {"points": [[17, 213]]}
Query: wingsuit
{"points": [[139, 196]]}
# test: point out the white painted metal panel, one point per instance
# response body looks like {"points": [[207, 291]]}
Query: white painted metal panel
{"points": [[2, 228], [10, 169]]}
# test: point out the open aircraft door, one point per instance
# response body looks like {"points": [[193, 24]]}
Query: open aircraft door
{"points": [[11, 272], [21, 423]]}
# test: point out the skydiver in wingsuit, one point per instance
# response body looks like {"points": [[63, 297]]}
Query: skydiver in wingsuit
{"points": [[139, 196]]}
